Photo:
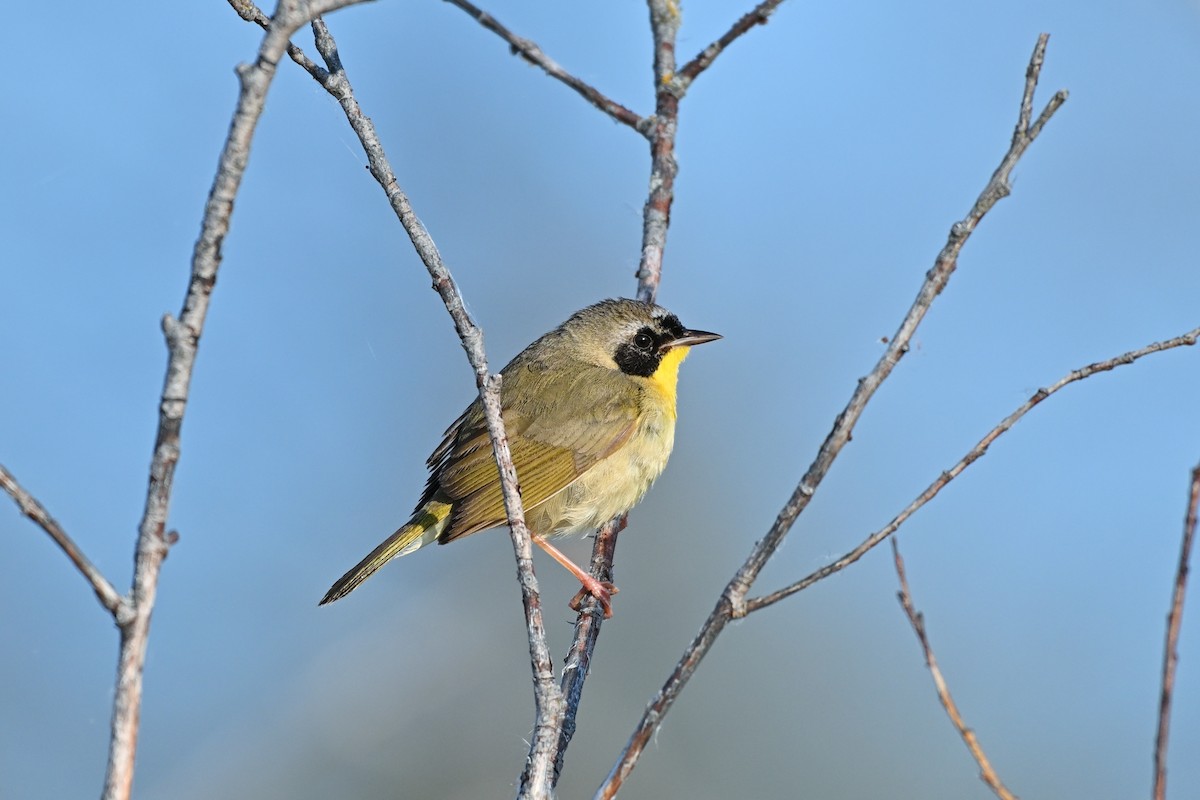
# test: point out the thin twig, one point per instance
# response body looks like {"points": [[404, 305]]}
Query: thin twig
{"points": [[587, 632], [1171, 649], [972, 455], [759, 15], [529, 50], [732, 602], [183, 336], [537, 779], [986, 773], [109, 597]]}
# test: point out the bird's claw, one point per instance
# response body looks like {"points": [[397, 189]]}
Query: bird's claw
{"points": [[601, 590]]}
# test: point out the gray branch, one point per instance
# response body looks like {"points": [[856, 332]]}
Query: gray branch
{"points": [[987, 773], [732, 602], [1171, 646], [529, 50], [183, 336], [537, 780], [974, 454], [109, 597]]}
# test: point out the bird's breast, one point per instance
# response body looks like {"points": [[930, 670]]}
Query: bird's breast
{"points": [[615, 484]]}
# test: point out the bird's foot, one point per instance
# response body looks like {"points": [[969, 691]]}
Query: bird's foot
{"points": [[601, 590]]}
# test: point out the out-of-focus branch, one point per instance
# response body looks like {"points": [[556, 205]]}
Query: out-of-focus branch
{"points": [[1171, 649], [972, 455], [529, 50], [183, 336], [109, 597], [986, 773], [732, 603]]}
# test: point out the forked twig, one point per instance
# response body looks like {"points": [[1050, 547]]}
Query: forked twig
{"points": [[1171, 648], [759, 15], [986, 773], [981, 447], [732, 602]]}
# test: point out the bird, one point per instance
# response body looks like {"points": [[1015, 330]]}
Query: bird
{"points": [[589, 409]]}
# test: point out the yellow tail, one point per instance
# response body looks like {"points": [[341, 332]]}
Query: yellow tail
{"points": [[424, 528]]}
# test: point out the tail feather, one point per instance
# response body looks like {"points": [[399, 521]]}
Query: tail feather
{"points": [[424, 529]]}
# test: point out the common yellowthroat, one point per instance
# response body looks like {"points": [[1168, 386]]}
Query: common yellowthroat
{"points": [[589, 409]]}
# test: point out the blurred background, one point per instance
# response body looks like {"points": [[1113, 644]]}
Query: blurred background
{"points": [[822, 161]]}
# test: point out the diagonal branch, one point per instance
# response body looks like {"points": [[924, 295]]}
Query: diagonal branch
{"points": [[109, 597], [529, 50], [732, 602], [759, 15], [547, 697], [917, 619], [975, 453], [1171, 649]]}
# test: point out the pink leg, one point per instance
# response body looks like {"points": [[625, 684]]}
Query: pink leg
{"points": [[601, 591]]}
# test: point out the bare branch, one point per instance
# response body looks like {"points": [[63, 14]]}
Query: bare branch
{"points": [[656, 215], [975, 453], [986, 773], [535, 783], [587, 631], [759, 15], [537, 780], [732, 602], [183, 336], [252, 13], [109, 597], [530, 51], [1171, 649]]}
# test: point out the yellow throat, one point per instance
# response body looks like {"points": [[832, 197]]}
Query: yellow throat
{"points": [[666, 378]]}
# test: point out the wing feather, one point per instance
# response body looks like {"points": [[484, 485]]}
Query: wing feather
{"points": [[552, 443]]}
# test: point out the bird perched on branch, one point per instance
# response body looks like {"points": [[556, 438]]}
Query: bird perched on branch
{"points": [[589, 410]]}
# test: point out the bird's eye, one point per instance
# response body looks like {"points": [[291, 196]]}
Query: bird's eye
{"points": [[643, 341]]}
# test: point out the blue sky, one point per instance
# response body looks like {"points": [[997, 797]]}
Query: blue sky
{"points": [[822, 161]]}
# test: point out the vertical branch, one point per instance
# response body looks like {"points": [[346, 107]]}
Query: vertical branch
{"points": [[183, 336], [656, 218], [1171, 648], [656, 215], [587, 632]]}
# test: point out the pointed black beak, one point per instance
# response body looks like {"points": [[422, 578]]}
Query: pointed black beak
{"points": [[690, 339]]}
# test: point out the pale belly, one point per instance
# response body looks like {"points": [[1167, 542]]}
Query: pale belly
{"points": [[611, 487]]}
